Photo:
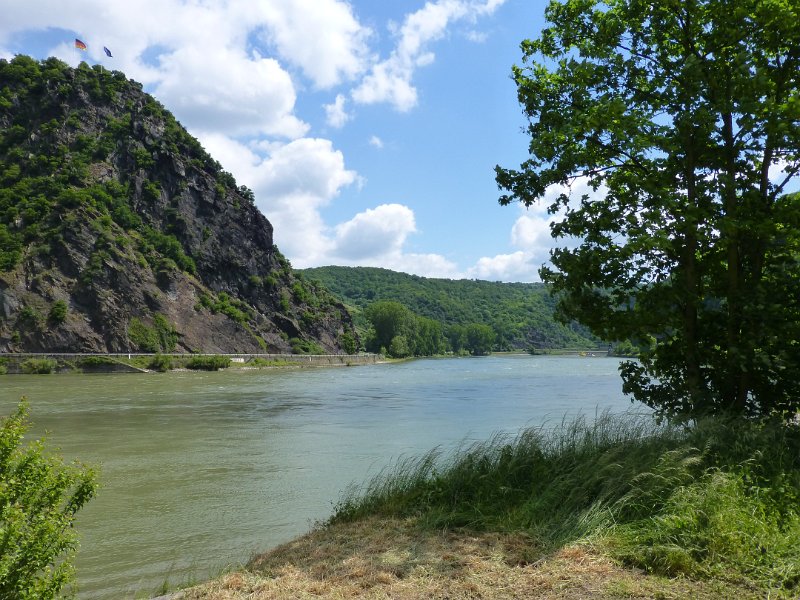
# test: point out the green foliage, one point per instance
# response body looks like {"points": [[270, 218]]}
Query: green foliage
{"points": [[300, 292], [402, 333], [718, 499], [235, 309], [399, 347], [283, 304], [38, 366], [29, 316], [480, 339], [10, 249], [305, 346], [676, 115], [208, 363], [348, 343], [168, 246], [58, 312], [142, 337], [161, 337], [39, 497], [713, 527], [160, 363], [521, 314], [389, 320]]}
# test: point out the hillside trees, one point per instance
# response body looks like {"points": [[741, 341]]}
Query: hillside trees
{"points": [[399, 333], [684, 120], [520, 314]]}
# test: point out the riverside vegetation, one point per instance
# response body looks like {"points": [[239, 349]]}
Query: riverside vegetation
{"points": [[584, 509]]}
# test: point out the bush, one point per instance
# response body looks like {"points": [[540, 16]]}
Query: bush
{"points": [[58, 313], [143, 338], [348, 342], [38, 366], [305, 347], [39, 497], [160, 363], [209, 363]]}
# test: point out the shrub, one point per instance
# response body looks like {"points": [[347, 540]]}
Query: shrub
{"points": [[142, 337], [38, 501], [38, 366], [160, 363], [209, 363], [305, 347], [58, 312], [348, 342], [30, 316], [167, 334]]}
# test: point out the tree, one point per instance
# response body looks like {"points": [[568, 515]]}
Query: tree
{"points": [[683, 119], [389, 319], [479, 338], [39, 497]]}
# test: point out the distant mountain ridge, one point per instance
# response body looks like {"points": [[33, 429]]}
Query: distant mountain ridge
{"points": [[521, 314], [118, 232]]}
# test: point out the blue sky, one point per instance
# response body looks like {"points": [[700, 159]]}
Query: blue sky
{"points": [[368, 130]]}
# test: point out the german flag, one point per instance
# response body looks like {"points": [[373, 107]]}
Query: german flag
{"points": [[79, 44]]}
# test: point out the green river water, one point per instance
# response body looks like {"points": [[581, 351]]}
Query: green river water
{"points": [[201, 470]]}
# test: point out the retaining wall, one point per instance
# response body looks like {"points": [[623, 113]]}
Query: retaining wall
{"points": [[71, 361]]}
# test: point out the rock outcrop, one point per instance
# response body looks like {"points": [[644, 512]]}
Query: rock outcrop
{"points": [[119, 233]]}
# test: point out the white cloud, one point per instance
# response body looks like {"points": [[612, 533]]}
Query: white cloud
{"points": [[336, 115], [374, 232], [531, 236], [505, 267], [377, 237], [322, 37], [376, 142], [229, 92], [390, 80]]}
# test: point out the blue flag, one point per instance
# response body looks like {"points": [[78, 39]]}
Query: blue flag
{"points": [[107, 51]]}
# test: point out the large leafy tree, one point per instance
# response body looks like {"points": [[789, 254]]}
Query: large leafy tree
{"points": [[683, 117]]}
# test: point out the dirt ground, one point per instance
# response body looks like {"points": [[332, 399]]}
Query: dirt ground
{"points": [[394, 559]]}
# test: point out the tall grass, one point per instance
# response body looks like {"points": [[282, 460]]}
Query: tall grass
{"points": [[719, 498]]}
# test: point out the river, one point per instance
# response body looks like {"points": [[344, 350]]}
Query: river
{"points": [[201, 470]]}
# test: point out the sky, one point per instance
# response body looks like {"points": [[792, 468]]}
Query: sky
{"points": [[368, 130]]}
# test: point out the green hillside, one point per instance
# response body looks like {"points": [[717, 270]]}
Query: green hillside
{"points": [[521, 314]]}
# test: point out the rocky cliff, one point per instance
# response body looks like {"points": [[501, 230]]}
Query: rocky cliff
{"points": [[118, 232]]}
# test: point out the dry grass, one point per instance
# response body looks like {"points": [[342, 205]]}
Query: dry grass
{"points": [[386, 558]]}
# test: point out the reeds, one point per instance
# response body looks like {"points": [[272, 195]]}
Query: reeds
{"points": [[718, 498]]}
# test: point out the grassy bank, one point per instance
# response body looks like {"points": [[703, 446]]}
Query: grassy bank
{"points": [[708, 511]]}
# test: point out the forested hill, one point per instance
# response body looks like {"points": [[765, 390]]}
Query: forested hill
{"points": [[521, 314], [118, 232]]}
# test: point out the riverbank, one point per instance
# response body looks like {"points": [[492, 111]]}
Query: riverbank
{"points": [[45, 363], [400, 559], [618, 508]]}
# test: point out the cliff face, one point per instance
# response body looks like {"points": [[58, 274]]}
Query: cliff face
{"points": [[119, 233]]}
